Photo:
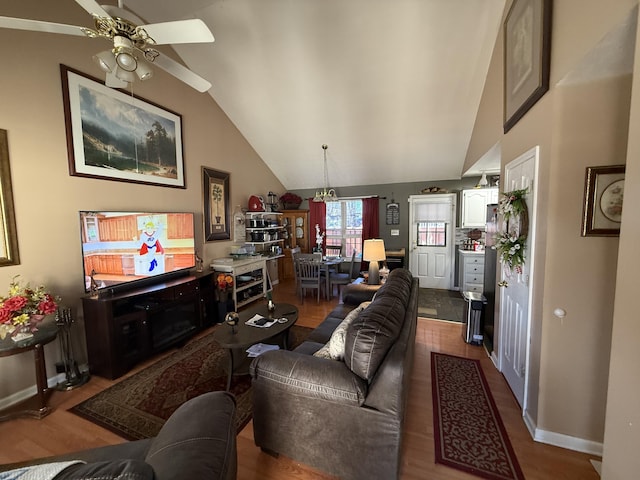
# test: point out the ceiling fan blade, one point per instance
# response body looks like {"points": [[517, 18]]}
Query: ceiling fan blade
{"points": [[38, 26], [179, 31], [93, 8], [182, 73]]}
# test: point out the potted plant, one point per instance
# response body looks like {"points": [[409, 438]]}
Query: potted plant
{"points": [[290, 201]]}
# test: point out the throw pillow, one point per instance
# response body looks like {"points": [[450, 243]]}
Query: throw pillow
{"points": [[334, 348]]}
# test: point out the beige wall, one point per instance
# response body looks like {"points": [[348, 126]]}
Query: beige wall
{"points": [[622, 435], [575, 126], [48, 199]]}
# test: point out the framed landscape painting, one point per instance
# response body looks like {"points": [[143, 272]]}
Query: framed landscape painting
{"points": [[114, 135], [603, 199]]}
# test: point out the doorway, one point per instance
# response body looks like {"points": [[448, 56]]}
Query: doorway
{"points": [[432, 239], [515, 294]]}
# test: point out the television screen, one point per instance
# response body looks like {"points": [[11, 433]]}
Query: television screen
{"points": [[123, 247]]}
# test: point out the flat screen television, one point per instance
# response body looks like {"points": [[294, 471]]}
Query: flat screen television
{"points": [[128, 249]]}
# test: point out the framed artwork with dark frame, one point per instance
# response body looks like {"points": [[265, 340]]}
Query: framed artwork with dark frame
{"points": [[527, 57], [603, 197], [114, 135], [217, 214]]}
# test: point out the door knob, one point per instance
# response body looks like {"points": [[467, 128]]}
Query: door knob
{"points": [[503, 283]]}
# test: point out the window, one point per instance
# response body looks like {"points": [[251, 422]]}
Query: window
{"points": [[344, 226], [432, 234]]}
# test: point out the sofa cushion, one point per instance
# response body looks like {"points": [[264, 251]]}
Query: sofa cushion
{"points": [[372, 334], [322, 333], [334, 348], [109, 470]]}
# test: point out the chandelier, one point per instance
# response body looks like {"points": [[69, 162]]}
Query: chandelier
{"points": [[326, 194]]}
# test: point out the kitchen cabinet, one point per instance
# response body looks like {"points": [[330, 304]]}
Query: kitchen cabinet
{"points": [[474, 206], [471, 271]]}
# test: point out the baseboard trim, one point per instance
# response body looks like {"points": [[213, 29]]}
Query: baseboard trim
{"points": [[561, 440], [29, 392]]}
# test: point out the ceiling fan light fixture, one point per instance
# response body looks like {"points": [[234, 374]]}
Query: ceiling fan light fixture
{"points": [[143, 71], [123, 51], [105, 60], [125, 75]]}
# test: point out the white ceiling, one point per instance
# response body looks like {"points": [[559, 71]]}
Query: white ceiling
{"points": [[391, 86]]}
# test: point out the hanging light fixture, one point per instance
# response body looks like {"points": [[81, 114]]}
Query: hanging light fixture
{"points": [[483, 182], [326, 194]]}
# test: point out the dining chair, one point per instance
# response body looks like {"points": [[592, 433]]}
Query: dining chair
{"points": [[342, 278], [333, 250], [309, 277], [294, 255]]}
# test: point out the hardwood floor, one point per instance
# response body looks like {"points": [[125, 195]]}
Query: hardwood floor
{"points": [[62, 432]]}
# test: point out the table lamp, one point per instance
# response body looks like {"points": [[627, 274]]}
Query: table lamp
{"points": [[373, 252]]}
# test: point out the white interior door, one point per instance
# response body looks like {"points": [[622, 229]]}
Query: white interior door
{"points": [[432, 239], [515, 293]]}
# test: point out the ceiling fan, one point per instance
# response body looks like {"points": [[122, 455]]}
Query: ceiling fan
{"points": [[133, 42]]}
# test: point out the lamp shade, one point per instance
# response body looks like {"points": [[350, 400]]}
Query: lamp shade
{"points": [[372, 252]]}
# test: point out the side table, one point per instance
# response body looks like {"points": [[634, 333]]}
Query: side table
{"points": [[35, 406], [247, 335]]}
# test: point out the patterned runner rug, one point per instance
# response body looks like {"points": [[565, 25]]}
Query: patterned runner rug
{"points": [[138, 406], [469, 433]]}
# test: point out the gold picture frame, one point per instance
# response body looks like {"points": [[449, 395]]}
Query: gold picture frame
{"points": [[9, 235], [217, 214], [527, 57], [603, 199]]}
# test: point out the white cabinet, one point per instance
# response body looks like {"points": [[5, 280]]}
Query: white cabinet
{"points": [[471, 271], [249, 278], [474, 206]]}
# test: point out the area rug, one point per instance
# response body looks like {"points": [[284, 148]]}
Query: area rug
{"points": [[441, 304], [138, 406], [468, 431]]}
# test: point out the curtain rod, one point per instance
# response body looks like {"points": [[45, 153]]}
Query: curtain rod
{"points": [[361, 197]]}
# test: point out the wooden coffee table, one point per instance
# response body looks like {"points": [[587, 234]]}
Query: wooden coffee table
{"points": [[237, 343]]}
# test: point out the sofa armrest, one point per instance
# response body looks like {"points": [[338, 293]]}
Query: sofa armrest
{"points": [[309, 376], [198, 440], [356, 293]]}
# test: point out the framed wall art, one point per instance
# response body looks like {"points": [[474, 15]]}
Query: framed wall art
{"points": [[217, 216], [527, 57], [114, 135], [8, 232], [603, 198]]}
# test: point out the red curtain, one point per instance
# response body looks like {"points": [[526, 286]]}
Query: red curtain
{"points": [[317, 215], [370, 218]]}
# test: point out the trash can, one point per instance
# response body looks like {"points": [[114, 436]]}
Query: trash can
{"points": [[473, 317]]}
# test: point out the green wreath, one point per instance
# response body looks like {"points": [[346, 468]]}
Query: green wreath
{"points": [[512, 241]]}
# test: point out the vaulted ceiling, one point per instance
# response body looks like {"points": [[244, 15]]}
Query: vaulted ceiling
{"points": [[391, 86]]}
